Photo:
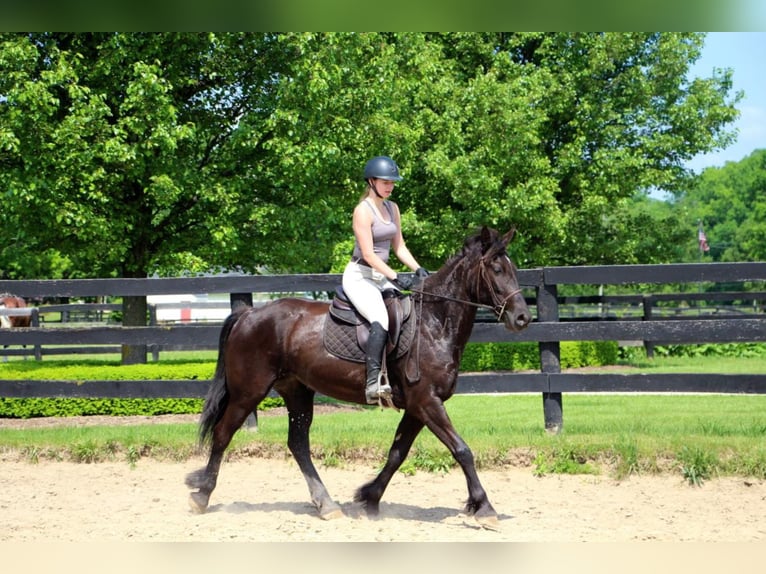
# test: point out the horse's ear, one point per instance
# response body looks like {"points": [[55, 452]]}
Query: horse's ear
{"points": [[508, 237], [487, 238]]}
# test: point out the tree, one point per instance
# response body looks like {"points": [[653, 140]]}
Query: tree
{"points": [[553, 133], [729, 200], [599, 117], [120, 152]]}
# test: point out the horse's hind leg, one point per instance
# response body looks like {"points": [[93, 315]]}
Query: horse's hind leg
{"points": [[299, 401], [206, 478], [371, 493]]}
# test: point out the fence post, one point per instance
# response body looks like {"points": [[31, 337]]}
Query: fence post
{"points": [[550, 357], [35, 322], [239, 298], [153, 323], [65, 312], [648, 303]]}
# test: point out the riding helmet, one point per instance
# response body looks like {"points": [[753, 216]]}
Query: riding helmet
{"points": [[382, 167]]}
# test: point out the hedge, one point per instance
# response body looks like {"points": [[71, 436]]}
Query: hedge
{"points": [[480, 357]]}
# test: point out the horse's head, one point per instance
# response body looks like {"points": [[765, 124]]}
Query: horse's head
{"points": [[496, 281]]}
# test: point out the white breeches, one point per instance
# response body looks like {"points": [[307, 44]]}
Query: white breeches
{"points": [[363, 286]]}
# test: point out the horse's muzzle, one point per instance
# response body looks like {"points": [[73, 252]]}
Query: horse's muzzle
{"points": [[517, 319]]}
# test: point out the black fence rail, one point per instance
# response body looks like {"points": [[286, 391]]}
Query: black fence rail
{"points": [[93, 314], [548, 330]]}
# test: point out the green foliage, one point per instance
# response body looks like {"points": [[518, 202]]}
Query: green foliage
{"points": [[105, 370], [627, 458], [24, 408], [108, 370], [588, 353], [59, 407], [729, 202], [480, 357], [697, 437], [86, 451], [437, 461], [130, 136], [208, 151], [648, 231]]}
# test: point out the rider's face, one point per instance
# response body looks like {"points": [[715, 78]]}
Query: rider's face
{"points": [[384, 186]]}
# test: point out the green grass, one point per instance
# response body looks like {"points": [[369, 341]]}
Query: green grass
{"points": [[696, 436], [182, 364], [732, 365]]}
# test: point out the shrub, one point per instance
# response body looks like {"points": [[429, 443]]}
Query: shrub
{"points": [[21, 408], [480, 357], [24, 408]]}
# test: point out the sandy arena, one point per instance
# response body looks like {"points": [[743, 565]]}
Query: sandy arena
{"points": [[267, 500]]}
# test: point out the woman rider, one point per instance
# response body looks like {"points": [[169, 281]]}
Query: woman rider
{"points": [[377, 231]]}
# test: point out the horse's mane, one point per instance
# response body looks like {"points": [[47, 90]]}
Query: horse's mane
{"points": [[474, 246], [13, 298]]}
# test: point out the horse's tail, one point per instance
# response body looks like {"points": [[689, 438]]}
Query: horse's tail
{"points": [[218, 395]]}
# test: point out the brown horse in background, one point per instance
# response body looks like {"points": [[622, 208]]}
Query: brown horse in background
{"points": [[9, 301], [279, 346]]}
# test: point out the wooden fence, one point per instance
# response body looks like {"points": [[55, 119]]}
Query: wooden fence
{"points": [[548, 330], [96, 313]]}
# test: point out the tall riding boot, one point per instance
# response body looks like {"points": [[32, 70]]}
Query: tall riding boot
{"points": [[376, 345]]}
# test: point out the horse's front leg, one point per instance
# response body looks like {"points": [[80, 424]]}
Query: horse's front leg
{"points": [[300, 407], [478, 505], [371, 493]]}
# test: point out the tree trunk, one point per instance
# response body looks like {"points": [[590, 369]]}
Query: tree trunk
{"points": [[134, 315]]}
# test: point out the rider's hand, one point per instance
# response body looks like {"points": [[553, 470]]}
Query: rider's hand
{"points": [[421, 273], [402, 283]]}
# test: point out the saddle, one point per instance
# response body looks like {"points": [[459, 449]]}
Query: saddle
{"points": [[346, 331]]}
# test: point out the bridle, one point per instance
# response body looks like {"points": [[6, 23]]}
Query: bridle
{"points": [[498, 305]]}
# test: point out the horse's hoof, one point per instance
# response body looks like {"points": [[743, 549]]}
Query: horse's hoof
{"points": [[490, 522], [332, 513], [198, 502]]}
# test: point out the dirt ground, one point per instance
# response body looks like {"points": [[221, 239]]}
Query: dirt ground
{"points": [[267, 500]]}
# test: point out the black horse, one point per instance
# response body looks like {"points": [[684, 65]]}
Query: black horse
{"points": [[280, 346]]}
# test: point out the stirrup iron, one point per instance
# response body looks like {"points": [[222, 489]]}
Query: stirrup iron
{"points": [[379, 392]]}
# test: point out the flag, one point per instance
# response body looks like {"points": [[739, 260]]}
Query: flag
{"points": [[702, 239]]}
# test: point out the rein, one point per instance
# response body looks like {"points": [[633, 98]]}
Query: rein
{"points": [[499, 306], [494, 308], [453, 299]]}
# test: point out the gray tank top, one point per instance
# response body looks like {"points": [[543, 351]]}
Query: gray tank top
{"points": [[382, 234]]}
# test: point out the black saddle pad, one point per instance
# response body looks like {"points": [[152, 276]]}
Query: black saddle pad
{"points": [[340, 339]]}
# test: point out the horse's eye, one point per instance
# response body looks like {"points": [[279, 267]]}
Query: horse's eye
{"points": [[497, 268]]}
